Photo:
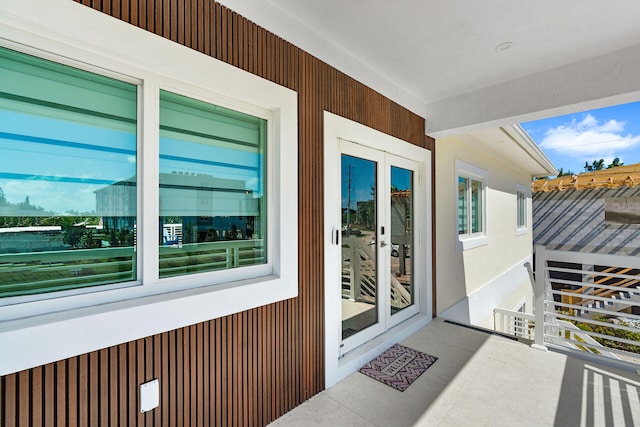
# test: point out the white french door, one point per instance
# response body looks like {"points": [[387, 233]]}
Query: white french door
{"points": [[376, 192], [377, 252]]}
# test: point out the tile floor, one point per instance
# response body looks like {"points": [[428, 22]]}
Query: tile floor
{"points": [[480, 380]]}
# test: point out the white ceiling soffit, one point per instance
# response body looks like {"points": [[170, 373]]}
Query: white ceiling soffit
{"points": [[514, 146], [436, 57]]}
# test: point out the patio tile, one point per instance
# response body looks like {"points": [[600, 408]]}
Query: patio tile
{"points": [[321, 410], [448, 334], [381, 404], [569, 410], [547, 363], [443, 373], [472, 412], [481, 379]]}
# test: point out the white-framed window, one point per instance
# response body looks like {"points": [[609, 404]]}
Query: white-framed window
{"points": [[72, 137], [166, 167], [471, 205], [522, 214], [212, 179]]}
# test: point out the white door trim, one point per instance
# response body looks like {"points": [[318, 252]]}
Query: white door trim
{"points": [[337, 128]]}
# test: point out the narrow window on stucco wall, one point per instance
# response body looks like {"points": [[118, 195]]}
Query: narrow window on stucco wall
{"points": [[471, 205], [522, 195]]}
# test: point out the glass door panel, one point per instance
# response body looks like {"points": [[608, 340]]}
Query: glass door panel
{"points": [[401, 285], [360, 296], [377, 229]]}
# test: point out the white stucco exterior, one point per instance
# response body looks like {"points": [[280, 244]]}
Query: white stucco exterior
{"points": [[472, 280]]}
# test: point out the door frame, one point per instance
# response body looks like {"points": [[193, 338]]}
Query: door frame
{"points": [[336, 128]]}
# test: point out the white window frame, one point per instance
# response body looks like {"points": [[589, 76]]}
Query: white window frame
{"points": [[472, 240], [62, 325], [522, 229]]}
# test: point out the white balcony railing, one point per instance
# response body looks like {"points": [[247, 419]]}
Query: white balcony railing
{"points": [[588, 302], [514, 323]]}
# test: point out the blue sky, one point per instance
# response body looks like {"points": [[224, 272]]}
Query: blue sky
{"points": [[363, 179], [571, 140], [59, 164]]}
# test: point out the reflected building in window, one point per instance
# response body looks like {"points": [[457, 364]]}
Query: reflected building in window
{"points": [[196, 208]]}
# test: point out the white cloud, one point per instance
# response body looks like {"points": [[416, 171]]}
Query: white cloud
{"points": [[590, 139]]}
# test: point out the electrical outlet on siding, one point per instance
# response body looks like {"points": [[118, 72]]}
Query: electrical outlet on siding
{"points": [[149, 395]]}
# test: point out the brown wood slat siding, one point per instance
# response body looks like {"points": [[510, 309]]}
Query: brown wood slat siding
{"points": [[248, 368]]}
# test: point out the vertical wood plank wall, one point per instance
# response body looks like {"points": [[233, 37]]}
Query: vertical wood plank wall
{"points": [[248, 368]]}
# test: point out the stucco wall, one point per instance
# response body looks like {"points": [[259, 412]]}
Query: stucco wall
{"points": [[472, 282], [573, 220]]}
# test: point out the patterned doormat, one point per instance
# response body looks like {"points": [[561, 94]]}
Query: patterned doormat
{"points": [[398, 366]]}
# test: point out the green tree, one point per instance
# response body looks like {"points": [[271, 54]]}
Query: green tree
{"points": [[615, 163], [188, 234], [211, 236], [125, 238], [562, 172], [595, 166], [87, 241], [73, 236], [113, 239], [231, 234]]}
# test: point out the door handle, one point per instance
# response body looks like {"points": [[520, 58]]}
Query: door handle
{"points": [[383, 243], [335, 233]]}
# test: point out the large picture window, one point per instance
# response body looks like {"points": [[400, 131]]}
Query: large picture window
{"points": [[212, 187], [471, 207], [139, 193], [68, 201], [68, 142]]}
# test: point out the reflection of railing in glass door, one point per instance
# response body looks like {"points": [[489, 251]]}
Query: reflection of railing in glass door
{"points": [[400, 297], [358, 270], [358, 275]]}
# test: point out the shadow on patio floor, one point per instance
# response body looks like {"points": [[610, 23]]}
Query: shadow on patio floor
{"points": [[480, 379]]}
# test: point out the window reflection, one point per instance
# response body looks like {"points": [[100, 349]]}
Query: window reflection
{"points": [[401, 279]]}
